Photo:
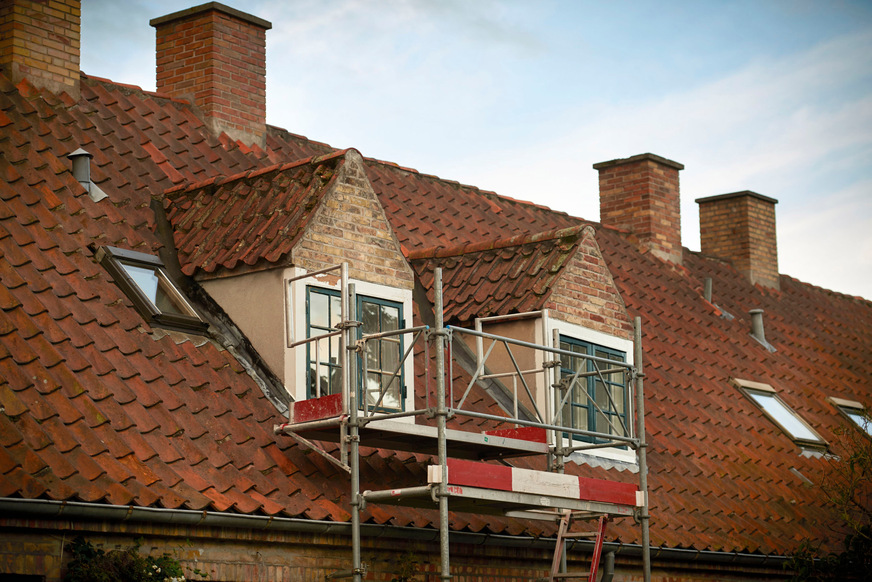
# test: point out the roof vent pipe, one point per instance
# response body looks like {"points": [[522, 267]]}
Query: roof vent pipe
{"points": [[707, 289], [82, 167], [82, 173], [757, 331]]}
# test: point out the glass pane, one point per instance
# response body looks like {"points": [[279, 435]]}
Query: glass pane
{"points": [[372, 355], [334, 350], [392, 397], [318, 310], [369, 317], [390, 355], [335, 310], [373, 385], [580, 418], [146, 280], [859, 419], [390, 318], [783, 416], [167, 301]]}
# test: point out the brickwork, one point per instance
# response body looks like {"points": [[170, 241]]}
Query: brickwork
{"points": [[740, 227], [586, 294], [233, 555], [641, 195], [351, 226], [39, 41], [216, 57]]}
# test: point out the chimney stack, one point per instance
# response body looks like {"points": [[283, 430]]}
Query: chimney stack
{"points": [[741, 227], [641, 195], [39, 41], [215, 56]]}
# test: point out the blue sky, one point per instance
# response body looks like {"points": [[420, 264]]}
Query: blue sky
{"points": [[523, 97]]}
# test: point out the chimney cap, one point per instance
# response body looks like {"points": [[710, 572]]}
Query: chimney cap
{"points": [[79, 152], [639, 158], [265, 24], [736, 195]]}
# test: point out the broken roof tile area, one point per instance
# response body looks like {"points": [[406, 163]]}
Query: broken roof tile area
{"points": [[249, 218], [425, 211], [497, 277]]}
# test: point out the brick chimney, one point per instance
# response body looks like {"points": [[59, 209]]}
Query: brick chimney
{"points": [[39, 41], [741, 227], [215, 56], [641, 195]]}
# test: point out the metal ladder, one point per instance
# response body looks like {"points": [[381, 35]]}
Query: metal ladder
{"points": [[563, 534]]}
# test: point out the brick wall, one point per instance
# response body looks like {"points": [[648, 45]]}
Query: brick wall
{"points": [[36, 547], [740, 227], [351, 226], [39, 41], [641, 195], [586, 294], [215, 56]]}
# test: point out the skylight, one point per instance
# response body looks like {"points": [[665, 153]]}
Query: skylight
{"points": [[143, 279], [856, 413], [764, 396]]}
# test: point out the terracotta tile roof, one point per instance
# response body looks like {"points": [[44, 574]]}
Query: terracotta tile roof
{"points": [[257, 216], [426, 211], [493, 277], [98, 406]]}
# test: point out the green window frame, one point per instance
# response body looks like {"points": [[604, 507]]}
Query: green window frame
{"points": [[579, 411], [323, 312]]}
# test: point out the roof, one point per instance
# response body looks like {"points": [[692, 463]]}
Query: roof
{"points": [[495, 277], [247, 218], [98, 406]]}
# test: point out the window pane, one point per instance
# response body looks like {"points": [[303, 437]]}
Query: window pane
{"points": [[390, 355], [859, 419], [335, 310], [783, 416], [145, 278], [319, 310], [390, 318], [369, 317]]}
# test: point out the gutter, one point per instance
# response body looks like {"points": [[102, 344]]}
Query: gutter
{"points": [[72, 510]]}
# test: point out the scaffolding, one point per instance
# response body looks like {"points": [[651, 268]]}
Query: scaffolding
{"points": [[459, 478]]}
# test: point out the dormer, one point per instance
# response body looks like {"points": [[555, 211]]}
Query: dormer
{"points": [[552, 289], [261, 243]]}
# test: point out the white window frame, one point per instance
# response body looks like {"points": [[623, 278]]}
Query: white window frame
{"points": [[295, 325], [592, 336]]}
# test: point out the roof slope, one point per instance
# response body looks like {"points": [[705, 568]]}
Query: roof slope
{"points": [[426, 211], [98, 406], [496, 277], [247, 218]]}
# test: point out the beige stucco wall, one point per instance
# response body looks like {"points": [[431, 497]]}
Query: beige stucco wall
{"points": [[255, 302]]}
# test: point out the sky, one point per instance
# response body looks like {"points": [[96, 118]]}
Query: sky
{"points": [[522, 97]]}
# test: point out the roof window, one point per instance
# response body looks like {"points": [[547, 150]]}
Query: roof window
{"points": [[764, 396], [144, 280], [856, 413]]}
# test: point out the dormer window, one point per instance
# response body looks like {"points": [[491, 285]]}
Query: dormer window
{"points": [[596, 401], [764, 396], [382, 355], [144, 280], [855, 412]]}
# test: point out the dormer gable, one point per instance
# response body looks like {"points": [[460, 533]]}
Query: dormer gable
{"points": [[249, 238]]}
